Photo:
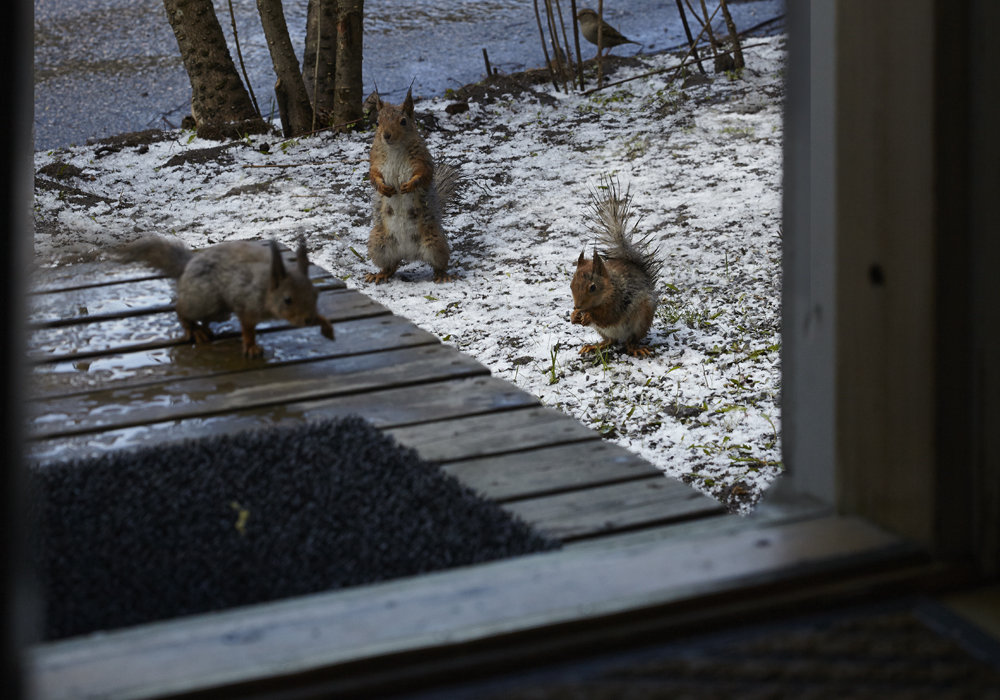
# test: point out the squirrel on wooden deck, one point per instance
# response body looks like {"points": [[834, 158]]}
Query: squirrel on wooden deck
{"points": [[615, 292], [410, 191], [241, 277]]}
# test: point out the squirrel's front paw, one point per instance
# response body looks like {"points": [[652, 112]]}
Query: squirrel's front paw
{"points": [[580, 317], [386, 190]]}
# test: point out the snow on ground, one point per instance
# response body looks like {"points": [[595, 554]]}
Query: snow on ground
{"points": [[703, 163]]}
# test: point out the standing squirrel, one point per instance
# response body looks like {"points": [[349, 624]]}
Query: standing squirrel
{"points": [[239, 277], [409, 194], [615, 293]]}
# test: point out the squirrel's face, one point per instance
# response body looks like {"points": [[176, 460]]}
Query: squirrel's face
{"points": [[395, 121], [591, 284]]}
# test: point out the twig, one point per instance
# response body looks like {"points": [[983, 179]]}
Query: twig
{"points": [[291, 165], [239, 55], [541, 34], [486, 58], [687, 32], [576, 40], [734, 35], [600, 44], [562, 24], [319, 41], [556, 49], [684, 62]]}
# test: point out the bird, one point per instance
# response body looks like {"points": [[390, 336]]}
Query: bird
{"points": [[610, 37]]}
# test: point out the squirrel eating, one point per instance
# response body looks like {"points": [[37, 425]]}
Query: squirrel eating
{"points": [[615, 292]]}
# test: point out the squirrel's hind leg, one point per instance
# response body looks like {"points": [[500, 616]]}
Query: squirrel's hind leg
{"points": [[382, 275], [435, 251], [196, 332], [592, 347]]}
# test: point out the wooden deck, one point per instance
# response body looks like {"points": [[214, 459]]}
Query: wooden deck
{"points": [[641, 552], [110, 371]]}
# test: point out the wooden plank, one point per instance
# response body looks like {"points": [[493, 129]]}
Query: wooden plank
{"points": [[614, 508], [185, 361], [550, 469], [479, 436], [234, 391], [80, 305], [440, 399], [154, 330], [86, 274], [103, 272], [323, 638]]}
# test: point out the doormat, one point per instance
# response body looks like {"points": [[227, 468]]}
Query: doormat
{"points": [[137, 536]]}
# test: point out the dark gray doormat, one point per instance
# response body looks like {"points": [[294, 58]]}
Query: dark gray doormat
{"points": [[132, 537]]}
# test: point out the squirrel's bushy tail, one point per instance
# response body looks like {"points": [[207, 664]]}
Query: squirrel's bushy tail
{"points": [[611, 221], [446, 181], [169, 257]]}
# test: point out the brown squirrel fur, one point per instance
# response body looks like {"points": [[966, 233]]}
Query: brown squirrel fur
{"points": [[409, 193], [240, 277], [615, 292]]}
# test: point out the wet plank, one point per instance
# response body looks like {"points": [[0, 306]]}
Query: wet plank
{"points": [[183, 361], [499, 433], [603, 510], [162, 329], [550, 469], [104, 272], [81, 305], [67, 307], [234, 391], [440, 399]]}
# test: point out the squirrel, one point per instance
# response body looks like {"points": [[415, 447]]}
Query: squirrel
{"points": [[410, 191], [240, 277], [615, 292]]}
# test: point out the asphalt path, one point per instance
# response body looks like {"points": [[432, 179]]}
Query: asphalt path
{"points": [[104, 67]]}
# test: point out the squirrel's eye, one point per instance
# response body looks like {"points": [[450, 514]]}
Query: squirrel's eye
{"points": [[288, 301], [402, 122], [593, 287]]}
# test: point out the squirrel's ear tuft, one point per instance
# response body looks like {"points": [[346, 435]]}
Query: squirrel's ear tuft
{"points": [[408, 103], [302, 257], [598, 264], [582, 259], [277, 266]]}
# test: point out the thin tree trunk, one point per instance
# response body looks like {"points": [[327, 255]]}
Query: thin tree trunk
{"points": [[220, 104], [734, 36], [576, 41], [349, 81], [687, 31], [298, 117], [319, 63]]}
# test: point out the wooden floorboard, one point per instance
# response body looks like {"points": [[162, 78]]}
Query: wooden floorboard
{"points": [[549, 470], [233, 391], [161, 364], [602, 510], [479, 436], [152, 329]]}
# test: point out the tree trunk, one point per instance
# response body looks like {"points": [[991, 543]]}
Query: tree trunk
{"points": [[297, 119], [219, 102], [350, 88], [319, 61], [734, 36]]}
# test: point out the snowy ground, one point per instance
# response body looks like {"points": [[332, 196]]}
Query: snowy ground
{"points": [[703, 163]]}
